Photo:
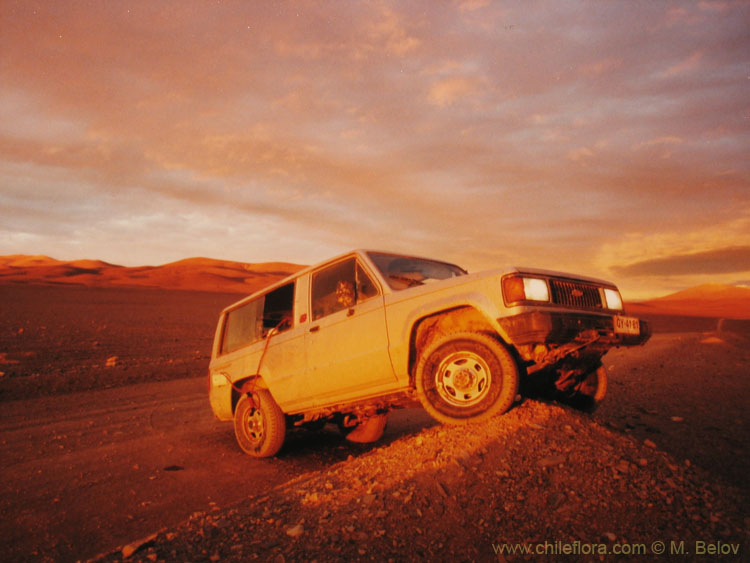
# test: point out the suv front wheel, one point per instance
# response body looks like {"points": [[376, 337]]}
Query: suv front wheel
{"points": [[464, 377]]}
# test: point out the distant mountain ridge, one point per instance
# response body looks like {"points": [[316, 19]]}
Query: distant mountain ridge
{"points": [[708, 300], [202, 274], [208, 274]]}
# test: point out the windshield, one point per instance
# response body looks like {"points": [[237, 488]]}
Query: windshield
{"points": [[402, 272]]}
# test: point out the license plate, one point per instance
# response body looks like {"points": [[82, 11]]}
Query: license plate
{"points": [[627, 325]]}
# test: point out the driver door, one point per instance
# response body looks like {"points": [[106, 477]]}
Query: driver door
{"points": [[347, 341]]}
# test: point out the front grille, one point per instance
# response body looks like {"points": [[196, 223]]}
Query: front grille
{"points": [[575, 294]]}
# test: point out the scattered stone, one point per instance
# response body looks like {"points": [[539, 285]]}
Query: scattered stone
{"points": [[552, 460], [132, 547], [623, 466], [111, 362], [295, 531], [556, 500], [442, 489], [648, 443]]}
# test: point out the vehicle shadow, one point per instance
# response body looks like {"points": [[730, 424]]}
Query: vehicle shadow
{"points": [[329, 444]]}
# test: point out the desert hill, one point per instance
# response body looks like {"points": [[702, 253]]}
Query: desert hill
{"points": [[208, 274], [708, 300], [202, 274]]}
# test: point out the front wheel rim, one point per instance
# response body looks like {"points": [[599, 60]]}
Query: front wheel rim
{"points": [[463, 379]]}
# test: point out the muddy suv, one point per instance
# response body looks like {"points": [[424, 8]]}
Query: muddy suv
{"points": [[348, 340]]}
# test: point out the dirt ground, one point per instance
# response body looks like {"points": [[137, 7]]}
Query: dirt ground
{"points": [[61, 339], [97, 456]]}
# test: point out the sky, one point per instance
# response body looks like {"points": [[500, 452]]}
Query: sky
{"points": [[610, 139]]}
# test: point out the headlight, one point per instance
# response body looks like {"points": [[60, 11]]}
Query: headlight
{"points": [[614, 301], [520, 288]]}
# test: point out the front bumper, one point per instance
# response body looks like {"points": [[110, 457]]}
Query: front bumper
{"points": [[547, 327]]}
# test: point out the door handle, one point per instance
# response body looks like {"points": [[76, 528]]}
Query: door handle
{"points": [[315, 328]]}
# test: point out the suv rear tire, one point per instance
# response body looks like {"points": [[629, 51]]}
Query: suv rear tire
{"points": [[465, 377], [259, 424]]}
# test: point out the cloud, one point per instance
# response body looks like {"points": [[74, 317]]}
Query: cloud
{"points": [[689, 64], [600, 67], [732, 259], [667, 140], [390, 30], [447, 91], [720, 7], [564, 136], [472, 5], [579, 154]]}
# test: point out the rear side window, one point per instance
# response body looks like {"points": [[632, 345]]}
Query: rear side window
{"points": [[252, 321], [242, 326]]}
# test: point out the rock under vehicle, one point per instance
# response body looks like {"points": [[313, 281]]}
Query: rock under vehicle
{"points": [[350, 339]]}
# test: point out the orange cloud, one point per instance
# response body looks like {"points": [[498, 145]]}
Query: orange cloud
{"points": [[580, 154], [473, 131], [687, 65], [447, 91]]}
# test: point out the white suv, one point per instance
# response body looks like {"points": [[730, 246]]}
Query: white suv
{"points": [[350, 339]]}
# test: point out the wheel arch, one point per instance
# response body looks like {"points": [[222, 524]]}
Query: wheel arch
{"points": [[461, 318], [244, 386]]}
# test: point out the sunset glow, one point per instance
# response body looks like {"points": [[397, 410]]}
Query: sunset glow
{"points": [[608, 139]]}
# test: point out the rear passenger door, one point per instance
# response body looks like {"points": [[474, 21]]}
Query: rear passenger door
{"points": [[261, 337], [346, 343]]}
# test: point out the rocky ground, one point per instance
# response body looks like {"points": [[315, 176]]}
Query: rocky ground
{"points": [[541, 475], [660, 469]]}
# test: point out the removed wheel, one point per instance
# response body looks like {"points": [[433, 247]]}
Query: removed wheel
{"points": [[371, 430], [590, 392], [465, 377], [259, 424]]}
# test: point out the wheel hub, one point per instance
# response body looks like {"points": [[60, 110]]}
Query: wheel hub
{"points": [[463, 379], [255, 426]]}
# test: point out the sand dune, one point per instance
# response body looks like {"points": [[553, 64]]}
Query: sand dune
{"points": [[203, 274], [208, 274], [24, 261], [709, 300]]}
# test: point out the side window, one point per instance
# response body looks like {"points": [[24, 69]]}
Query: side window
{"points": [[366, 288], [340, 286], [242, 326], [252, 321], [278, 310], [333, 289]]}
